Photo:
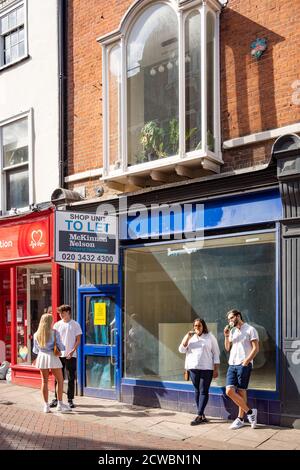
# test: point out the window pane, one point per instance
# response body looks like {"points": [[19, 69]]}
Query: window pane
{"points": [[99, 334], [21, 34], [7, 56], [114, 106], [152, 86], [14, 52], [34, 287], [210, 80], [4, 24], [100, 373], [7, 41], [21, 49], [167, 286], [20, 15], [15, 143], [6, 310], [17, 189], [14, 38], [12, 19], [193, 81]]}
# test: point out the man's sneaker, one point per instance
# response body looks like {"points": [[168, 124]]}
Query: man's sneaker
{"points": [[237, 424], [46, 408], [71, 404], [62, 408], [253, 418], [198, 420], [53, 404]]}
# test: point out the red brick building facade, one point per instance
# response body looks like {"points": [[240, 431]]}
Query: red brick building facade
{"points": [[256, 95], [224, 79]]}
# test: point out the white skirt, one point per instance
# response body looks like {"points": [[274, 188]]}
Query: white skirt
{"points": [[47, 360]]}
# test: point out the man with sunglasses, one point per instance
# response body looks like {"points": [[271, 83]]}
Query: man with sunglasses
{"points": [[242, 341]]}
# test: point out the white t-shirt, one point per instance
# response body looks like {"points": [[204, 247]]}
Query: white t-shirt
{"points": [[68, 332], [241, 343], [202, 352]]}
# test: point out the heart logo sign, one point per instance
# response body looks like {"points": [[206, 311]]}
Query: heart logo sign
{"points": [[36, 238]]}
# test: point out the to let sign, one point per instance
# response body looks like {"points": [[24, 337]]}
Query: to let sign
{"points": [[86, 238]]}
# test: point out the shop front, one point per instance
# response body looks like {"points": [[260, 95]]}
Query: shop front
{"points": [[29, 287], [166, 279], [168, 283]]}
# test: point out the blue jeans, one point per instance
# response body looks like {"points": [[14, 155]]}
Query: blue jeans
{"points": [[201, 380], [238, 376]]}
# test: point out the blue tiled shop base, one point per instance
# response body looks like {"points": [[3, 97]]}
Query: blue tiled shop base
{"points": [[219, 406]]}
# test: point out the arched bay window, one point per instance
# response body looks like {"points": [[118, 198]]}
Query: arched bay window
{"points": [[161, 92]]}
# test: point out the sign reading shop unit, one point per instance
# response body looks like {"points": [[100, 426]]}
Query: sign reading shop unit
{"points": [[85, 238]]}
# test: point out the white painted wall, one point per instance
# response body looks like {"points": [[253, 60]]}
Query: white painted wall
{"points": [[33, 83]]}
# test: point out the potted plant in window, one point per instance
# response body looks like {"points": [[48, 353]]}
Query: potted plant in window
{"points": [[152, 140], [173, 135]]}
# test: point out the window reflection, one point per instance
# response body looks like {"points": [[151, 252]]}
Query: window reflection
{"points": [[167, 286], [152, 86], [34, 289]]}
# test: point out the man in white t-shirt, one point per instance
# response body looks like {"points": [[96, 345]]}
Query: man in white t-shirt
{"points": [[241, 340], [70, 333]]}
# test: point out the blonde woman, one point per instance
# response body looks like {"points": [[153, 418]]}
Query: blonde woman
{"points": [[43, 346]]}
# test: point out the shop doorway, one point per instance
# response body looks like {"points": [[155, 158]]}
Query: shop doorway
{"points": [[99, 368], [5, 318]]}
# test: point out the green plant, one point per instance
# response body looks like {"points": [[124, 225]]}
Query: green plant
{"points": [[140, 157], [210, 142], [173, 136], [190, 132], [151, 138]]}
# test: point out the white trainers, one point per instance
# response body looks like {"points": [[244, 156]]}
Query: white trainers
{"points": [[237, 424], [46, 408], [62, 408], [253, 418]]}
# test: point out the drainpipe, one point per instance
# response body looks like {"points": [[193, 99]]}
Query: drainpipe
{"points": [[62, 152]]}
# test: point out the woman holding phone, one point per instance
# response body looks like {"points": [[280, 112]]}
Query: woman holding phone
{"points": [[202, 360]]}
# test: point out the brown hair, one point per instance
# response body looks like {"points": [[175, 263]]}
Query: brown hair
{"points": [[204, 325], [64, 308]]}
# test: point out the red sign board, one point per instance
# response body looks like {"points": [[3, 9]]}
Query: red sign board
{"points": [[25, 240]]}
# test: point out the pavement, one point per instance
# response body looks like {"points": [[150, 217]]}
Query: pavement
{"points": [[101, 424]]}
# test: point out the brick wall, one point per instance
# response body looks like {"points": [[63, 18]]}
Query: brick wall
{"points": [[256, 95]]}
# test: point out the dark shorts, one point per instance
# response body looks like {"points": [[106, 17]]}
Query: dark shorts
{"points": [[238, 376]]}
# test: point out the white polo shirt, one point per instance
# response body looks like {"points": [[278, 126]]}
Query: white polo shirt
{"points": [[202, 352], [241, 343], [68, 332]]}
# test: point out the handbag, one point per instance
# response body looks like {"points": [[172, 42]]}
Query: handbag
{"points": [[186, 375], [56, 349]]}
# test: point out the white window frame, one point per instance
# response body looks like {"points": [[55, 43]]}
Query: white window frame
{"points": [[3, 192], [3, 12], [120, 37]]}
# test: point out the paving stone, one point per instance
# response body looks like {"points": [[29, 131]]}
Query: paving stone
{"points": [[108, 425]]}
